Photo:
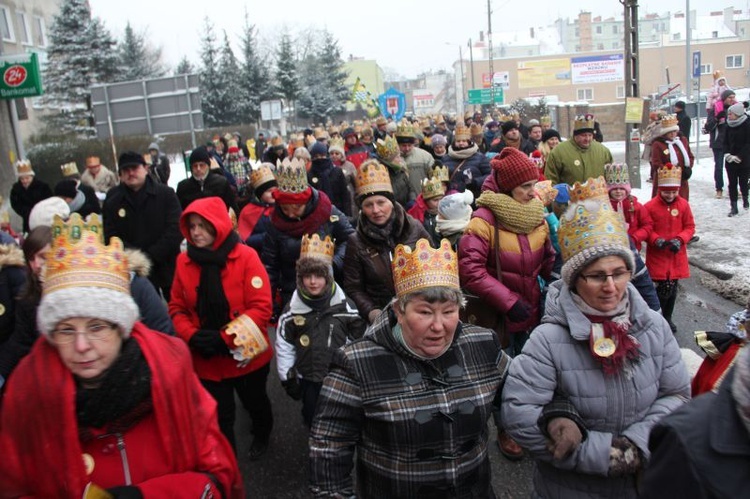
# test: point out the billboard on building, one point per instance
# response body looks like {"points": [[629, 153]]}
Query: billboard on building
{"points": [[597, 68], [501, 79], [545, 73]]}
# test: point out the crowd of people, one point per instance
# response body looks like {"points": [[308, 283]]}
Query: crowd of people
{"points": [[349, 252]]}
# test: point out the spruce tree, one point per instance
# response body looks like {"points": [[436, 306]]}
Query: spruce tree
{"points": [[137, 60], [332, 68], [209, 77], [254, 79], [323, 92], [228, 87], [287, 81], [184, 67]]}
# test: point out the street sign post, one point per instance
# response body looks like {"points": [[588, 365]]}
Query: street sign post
{"points": [[697, 64], [21, 76], [484, 95]]}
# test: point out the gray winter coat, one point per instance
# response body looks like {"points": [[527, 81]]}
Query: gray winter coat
{"points": [[557, 360]]}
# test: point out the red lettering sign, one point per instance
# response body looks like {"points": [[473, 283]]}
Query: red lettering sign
{"points": [[14, 76]]}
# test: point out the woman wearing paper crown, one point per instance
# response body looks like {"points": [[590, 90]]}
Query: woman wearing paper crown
{"points": [[599, 371], [411, 399], [671, 147], [104, 406], [467, 166], [220, 306], [382, 224]]}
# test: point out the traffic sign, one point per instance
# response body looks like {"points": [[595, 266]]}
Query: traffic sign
{"points": [[20, 76], [697, 64], [484, 95]]}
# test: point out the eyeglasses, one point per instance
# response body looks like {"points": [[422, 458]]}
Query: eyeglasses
{"points": [[601, 279], [98, 331]]}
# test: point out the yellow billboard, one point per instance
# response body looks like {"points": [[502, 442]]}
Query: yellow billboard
{"points": [[546, 73]]}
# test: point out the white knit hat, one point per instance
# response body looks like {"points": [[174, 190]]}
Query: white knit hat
{"points": [[44, 212]]}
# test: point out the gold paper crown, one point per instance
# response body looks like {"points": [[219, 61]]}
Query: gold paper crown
{"points": [[314, 247], [669, 120], [75, 226], [276, 141], [387, 148], [86, 262], [475, 129], [372, 177], [336, 142], [461, 133], [260, 174], [291, 175], [583, 122], [669, 176], [616, 174], [425, 267], [590, 222], [405, 129], [320, 134], [333, 129], [432, 187], [23, 167], [69, 169], [592, 188], [442, 173], [425, 123], [545, 120], [546, 191]]}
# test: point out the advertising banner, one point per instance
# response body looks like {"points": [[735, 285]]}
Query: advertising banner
{"points": [[597, 69], [546, 73], [501, 80], [21, 76]]}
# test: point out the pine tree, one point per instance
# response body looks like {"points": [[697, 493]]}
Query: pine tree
{"points": [[287, 81], [254, 76], [137, 60], [228, 86], [323, 91], [81, 53], [209, 77], [184, 67], [332, 67]]}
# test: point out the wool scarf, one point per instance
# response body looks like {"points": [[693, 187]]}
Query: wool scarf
{"points": [[388, 234], [212, 304], [317, 212], [515, 144], [462, 153], [738, 121], [673, 153], [449, 227], [520, 218], [741, 386]]}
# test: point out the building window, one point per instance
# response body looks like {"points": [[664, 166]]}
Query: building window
{"points": [[707, 69], [599, 46], [620, 92], [6, 24], [578, 48], [614, 29], [578, 32], [676, 36], [734, 61], [598, 30], [24, 30], [585, 94], [615, 45], [41, 32], [714, 34]]}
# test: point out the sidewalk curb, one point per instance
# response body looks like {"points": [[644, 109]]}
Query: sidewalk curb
{"points": [[706, 267]]}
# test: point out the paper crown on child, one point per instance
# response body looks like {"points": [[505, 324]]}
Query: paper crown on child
{"points": [[291, 175], [441, 173], [387, 149], [591, 229], [371, 178], [260, 174], [432, 187], [23, 168], [315, 247], [462, 132], [69, 169], [546, 192], [617, 176], [424, 267], [669, 177]]}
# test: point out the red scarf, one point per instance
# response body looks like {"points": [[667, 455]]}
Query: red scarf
{"points": [[627, 348], [317, 212]]}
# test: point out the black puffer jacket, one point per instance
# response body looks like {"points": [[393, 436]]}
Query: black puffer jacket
{"points": [[215, 184], [23, 200]]}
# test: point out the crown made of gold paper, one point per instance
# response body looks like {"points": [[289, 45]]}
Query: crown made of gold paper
{"points": [[591, 224], [69, 169], [387, 148], [546, 191], [442, 173], [320, 133], [545, 120], [291, 175], [298, 141], [462, 132], [616, 174], [432, 187], [372, 177], [74, 227], [424, 267], [23, 167], [669, 176], [276, 141], [260, 174], [475, 129], [315, 247], [333, 129], [405, 129], [583, 122], [86, 262], [669, 120], [592, 188], [336, 142]]}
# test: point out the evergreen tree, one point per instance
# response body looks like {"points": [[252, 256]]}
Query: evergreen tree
{"points": [[254, 76], [81, 53], [228, 87], [209, 76], [287, 81], [332, 67], [184, 67], [137, 60], [323, 91]]}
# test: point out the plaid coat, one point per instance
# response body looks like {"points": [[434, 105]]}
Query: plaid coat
{"points": [[419, 426]]}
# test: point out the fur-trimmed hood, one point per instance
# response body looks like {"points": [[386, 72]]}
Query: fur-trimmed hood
{"points": [[11, 256], [138, 262]]}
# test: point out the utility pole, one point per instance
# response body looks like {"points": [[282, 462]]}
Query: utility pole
{"points": [[632, 52], [460, 109], [489, 54], [471, 62]]}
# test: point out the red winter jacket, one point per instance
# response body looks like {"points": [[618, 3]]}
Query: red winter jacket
{"points": [[670, 221], [637, 217], [176, 451], [245, 284], [418, 209]]}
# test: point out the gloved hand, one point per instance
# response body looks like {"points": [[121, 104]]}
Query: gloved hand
{"points": [[624, 457], [731, 158], [674, 245], [565, 437], [208, 343], [660, 242], [126, 492], [520, 311], [293, 388]]}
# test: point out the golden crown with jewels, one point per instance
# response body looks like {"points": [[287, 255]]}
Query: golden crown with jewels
{"points": [[432, 187], [315, 247], [372, 177], [405, 130], [546, 191], [75, 226], [424, 267], [545, 120], [85, 261], [260, 174], [616, 174], [23, 167], [291, 175], [461, 132], [592, 188], [584, 122], [442, 173], [387, 148], [336, 142], [69, 169], [668, 121], [669, 176]]}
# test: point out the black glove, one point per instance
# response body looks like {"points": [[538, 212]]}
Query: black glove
{"points": [[659, 243], [208, 343], [126, 492], [293, 388], [674, 245], [520, 311]]}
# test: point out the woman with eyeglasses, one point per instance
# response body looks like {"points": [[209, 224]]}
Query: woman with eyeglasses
{"points": [[599, 371], [103, 406]]}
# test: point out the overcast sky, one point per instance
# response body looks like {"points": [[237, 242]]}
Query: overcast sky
{"points": [[407, 36]]}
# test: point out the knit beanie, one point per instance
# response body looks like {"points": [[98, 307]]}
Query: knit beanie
{"points": [[737, 108], [563, 195], [43, 213], [438, 140], [200, 155], [66, 188], [513, 168], [507, 126], [318, 149], [549, 133], [456, 206]]}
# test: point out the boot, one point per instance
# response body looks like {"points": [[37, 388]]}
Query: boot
{"points": [[508, 447], [733, 212], [719, 194], [745, 204]]}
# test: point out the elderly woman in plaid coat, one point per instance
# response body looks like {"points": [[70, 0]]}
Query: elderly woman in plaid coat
{"points": [[413, 396]]}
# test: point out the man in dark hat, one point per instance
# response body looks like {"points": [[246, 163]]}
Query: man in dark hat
{"points": [[579, 159], [205, 181], [511, 137], [683, 120], [145, 215]]}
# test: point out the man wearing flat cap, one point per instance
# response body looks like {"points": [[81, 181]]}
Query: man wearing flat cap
{"points": [[579, 159]]}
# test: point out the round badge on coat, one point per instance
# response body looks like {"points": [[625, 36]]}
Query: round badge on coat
{"points": [[304, 340], [121, 213], [604, 347], [299, 320], [315, 180], [88, 463], [577, 162], [666, 152], [2, 309], [256, 282], [674, 212]]}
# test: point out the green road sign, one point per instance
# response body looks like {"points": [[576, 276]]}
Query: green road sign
{"points": [[20, 76], [484, 95]]}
